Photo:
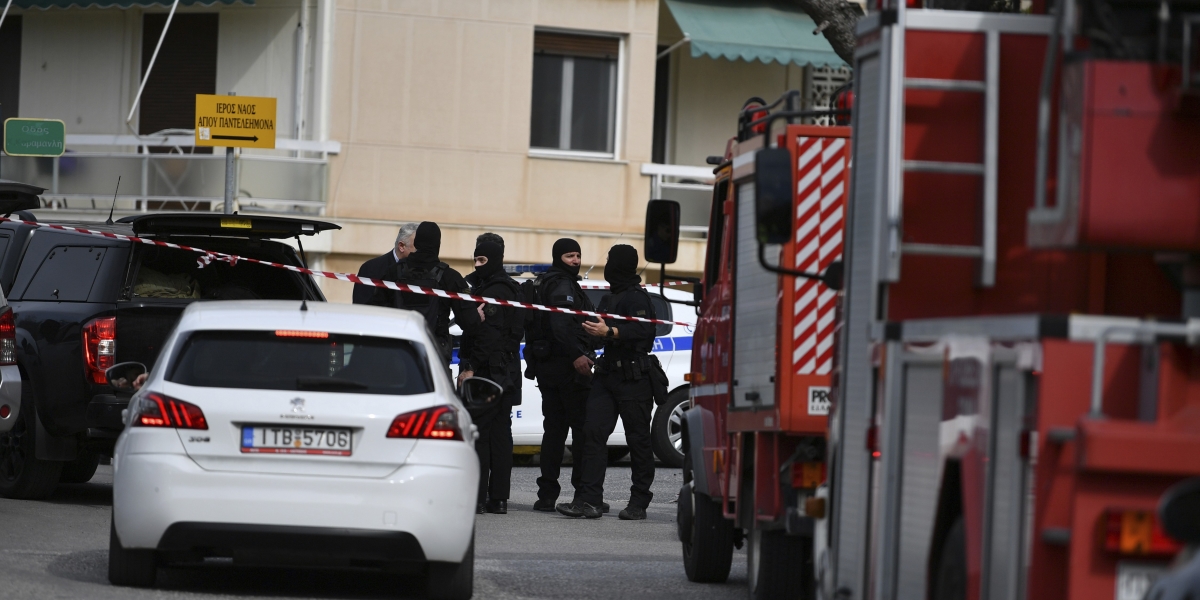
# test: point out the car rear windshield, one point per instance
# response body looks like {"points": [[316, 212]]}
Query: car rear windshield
{"points": [[288, 360]]}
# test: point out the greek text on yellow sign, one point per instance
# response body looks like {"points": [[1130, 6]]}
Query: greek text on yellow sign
{"points": [[235, 121]]}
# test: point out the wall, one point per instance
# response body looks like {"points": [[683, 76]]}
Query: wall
{"points": [[431, 103], [257, 55], [76, 65]]}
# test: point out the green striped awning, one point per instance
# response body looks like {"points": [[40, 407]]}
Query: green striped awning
{"points": [[767, 31], [44, 4]]}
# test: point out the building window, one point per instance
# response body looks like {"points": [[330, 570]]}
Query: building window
{"points": [[574, 92]]}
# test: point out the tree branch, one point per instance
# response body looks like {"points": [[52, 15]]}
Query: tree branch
{"points": [[836, 20]]}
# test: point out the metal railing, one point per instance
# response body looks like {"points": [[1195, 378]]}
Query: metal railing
{"points": [[691, 187], [177, 180]]}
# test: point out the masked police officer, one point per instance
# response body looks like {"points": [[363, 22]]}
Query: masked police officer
{"points": [[560, 354], [491, 349], [621, 387], [423, 268]]}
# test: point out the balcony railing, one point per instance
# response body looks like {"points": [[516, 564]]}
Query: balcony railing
{"points": [[690, 186], [178, 180]]}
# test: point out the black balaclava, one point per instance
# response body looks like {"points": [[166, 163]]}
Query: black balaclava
{"points": [[621, 269], [427, 244], [561, 247], [495, 262]]}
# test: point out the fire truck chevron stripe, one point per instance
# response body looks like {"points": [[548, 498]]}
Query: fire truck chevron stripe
{"points": [[820, 214]]}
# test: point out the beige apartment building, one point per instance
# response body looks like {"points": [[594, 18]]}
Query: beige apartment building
{"points": [[534, 119]]}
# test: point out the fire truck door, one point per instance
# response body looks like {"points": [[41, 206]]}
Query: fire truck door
{"points": [[754, 310]]}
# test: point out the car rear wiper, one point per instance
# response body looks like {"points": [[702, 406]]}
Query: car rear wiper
{"points": [[327, 383]]}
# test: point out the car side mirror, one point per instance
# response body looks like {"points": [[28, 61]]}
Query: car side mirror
{"points": [[662, 231], [479, 392], [1179, 511], [122, 375], [773, 193], [698, 292]]}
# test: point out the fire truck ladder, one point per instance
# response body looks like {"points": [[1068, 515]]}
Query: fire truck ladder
{"points": [[989, 87]]}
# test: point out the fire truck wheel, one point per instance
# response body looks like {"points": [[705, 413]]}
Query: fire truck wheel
{"points": [[951, 582], [708, 551], [779, 565], [666, 432], [22, 475]]}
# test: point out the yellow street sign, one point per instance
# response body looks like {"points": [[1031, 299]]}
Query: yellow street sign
{"points": [[235, 121]]}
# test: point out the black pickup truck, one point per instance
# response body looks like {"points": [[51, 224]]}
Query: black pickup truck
{"points": [[83, 303]]}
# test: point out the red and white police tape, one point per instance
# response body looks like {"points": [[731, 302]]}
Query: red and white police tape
{"points": [[208, 256]]}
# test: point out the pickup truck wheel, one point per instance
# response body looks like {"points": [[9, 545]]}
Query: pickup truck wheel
{"points": [[666, 431], [706, 535], [135, 568], [22, 475], [82, 469]]}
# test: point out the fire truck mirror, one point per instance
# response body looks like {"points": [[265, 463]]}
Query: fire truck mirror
{"points": [[662, 231], [1179, 510], [773, 195]]}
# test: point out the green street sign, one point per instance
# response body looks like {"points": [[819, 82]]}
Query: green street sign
{"points": [[34, 137]]}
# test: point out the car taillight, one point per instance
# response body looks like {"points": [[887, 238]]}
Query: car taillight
{"points": [[1134, 532], [157, 410], [99, 347], [8, 338], [436, 422]]}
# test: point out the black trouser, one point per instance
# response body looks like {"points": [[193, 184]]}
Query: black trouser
{"points": [[631, 400], [563, 403], [495, 448]]}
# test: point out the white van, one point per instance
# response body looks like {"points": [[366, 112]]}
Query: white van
{"points": [[672, 346]]}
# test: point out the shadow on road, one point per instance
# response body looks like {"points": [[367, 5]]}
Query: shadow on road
{"points": [[82, 494], [91, 566]]}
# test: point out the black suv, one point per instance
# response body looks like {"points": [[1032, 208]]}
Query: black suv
{"points": [[83, 303]]}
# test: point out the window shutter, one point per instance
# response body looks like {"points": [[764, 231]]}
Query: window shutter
{"points": [[186, 66], [565, 44]]}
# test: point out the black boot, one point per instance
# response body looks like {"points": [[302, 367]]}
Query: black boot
{"points": [[633, 513], [497, 507], [579, 509]]}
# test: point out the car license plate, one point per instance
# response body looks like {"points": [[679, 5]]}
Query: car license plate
{"points": [[327, 441], [1135, 579]]}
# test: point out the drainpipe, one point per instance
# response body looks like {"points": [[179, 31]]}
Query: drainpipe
{"points": [[301, 69]]}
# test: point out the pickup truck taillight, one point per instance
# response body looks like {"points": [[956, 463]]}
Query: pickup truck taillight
{"points": [[8, 338], [99, 347]]}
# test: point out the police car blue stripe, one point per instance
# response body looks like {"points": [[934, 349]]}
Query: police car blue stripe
{"points": [[682, 343]]}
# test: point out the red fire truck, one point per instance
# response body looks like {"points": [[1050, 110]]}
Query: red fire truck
{"points": [[1015, 375], [762, 354]]}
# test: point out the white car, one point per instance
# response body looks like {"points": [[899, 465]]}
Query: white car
{"points": [[672, 346], [271, 432]]}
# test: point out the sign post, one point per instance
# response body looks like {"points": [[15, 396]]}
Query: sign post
{"points": [[234, 122]]}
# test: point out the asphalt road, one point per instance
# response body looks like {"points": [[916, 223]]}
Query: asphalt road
{"points": [[59, 549]]}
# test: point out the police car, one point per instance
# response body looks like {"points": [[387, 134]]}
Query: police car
{"points": [[672, 346]]}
